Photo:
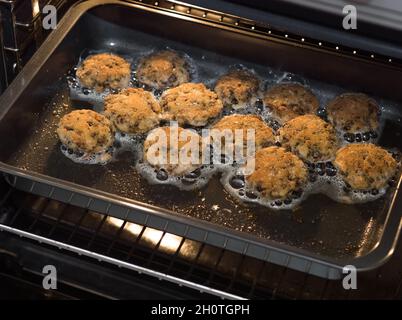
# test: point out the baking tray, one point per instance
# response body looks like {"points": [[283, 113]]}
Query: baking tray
{"points": [[319, 238]]}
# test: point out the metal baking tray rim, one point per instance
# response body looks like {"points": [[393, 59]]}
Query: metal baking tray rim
{"points": [[380, 253]]}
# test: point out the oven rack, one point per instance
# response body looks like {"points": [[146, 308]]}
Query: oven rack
{"points": [[108, 241]]}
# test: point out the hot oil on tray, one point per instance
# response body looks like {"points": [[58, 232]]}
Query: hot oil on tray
{"points": [[320, 224], [314, 225]]}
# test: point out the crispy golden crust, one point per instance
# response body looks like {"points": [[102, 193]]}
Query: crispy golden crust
{"points": [[85, 131], [290, 100], [183, 141], [190, 103], [277, 173], [365, 166], [264, 135], [353, 112], [309, 137], [104, 71], [238, 88], [132, 110], [163, 69]]}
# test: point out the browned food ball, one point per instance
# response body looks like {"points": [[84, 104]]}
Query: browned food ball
{"points": [[309, 137], [290, 100], [85, 131], [190, 103], [163, 142], [104, 71], [365, 166], [163, 69], [277, 173], [263, 135], [354, 112], [238, 88], [132, 110]]}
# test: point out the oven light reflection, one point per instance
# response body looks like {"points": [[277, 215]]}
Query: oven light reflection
{"points": [[114, 221], [35, 7], [168, 242], [189, 249], [366, 237], [151, 236], [133, 228], [130, 228]]}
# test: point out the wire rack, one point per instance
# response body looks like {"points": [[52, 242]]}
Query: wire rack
{"points": [[147, 250], [167, 257]]}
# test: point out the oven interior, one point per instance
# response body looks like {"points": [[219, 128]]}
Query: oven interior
{"points": [[155, 249]]}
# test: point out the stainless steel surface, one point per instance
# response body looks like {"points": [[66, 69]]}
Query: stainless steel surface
{"points": [[311, 25], [380, 12]]}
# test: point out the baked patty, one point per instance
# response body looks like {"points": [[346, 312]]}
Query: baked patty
{"points": [[238, 89], [190, 103], [354, 113], [104, 71], [290, 100], [263, 135], [85, 131], [132, 110], [167, 148]]}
